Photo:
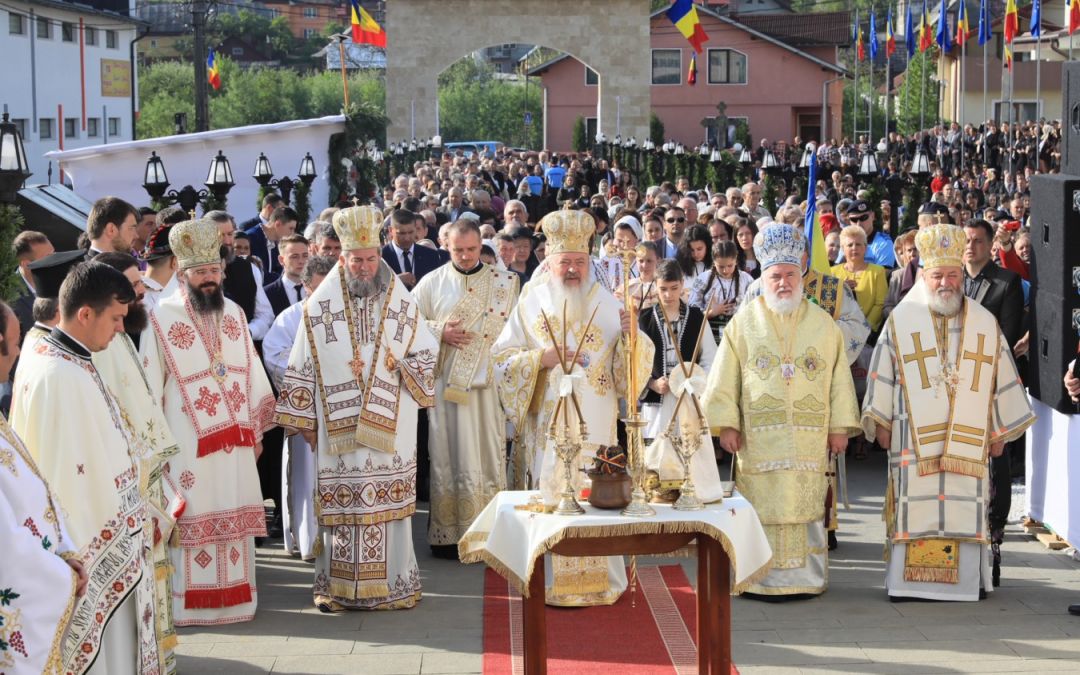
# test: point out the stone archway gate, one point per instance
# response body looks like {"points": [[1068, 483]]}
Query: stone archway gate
{"points": [[426, 36]]}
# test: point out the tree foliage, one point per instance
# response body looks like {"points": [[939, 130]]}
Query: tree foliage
{"points": [[910, 99], [578, 140], [475, 104]]}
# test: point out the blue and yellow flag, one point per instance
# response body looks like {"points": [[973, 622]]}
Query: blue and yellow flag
{"points": [[815, 240]]}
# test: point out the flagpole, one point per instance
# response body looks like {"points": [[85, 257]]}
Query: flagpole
{"points": [[344, 76], [1038, 73], [963, 85], [888, 90], [922, 99]]}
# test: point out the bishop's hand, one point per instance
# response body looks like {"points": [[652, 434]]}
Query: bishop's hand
{"points": [[997, 449], [550, 358], [731, 440], [624, 320], [837, 444], [883, 436], [80, 575]]}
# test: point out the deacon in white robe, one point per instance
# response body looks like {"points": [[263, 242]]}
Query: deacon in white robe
{"points": [[530, 378], [298, 463], [358, 373], [943, 395], [89, 454], [41, 576], [201, 363], [467, 304]]}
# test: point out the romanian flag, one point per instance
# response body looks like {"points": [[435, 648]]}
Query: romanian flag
{"points": [[1007, 57], [691, 73], [212, 74], [364, 29], [963, 28], [890, 39], [925, 37], [1012, 21], [1074, 16], [815, 240], [683, 14], [860, 47]]}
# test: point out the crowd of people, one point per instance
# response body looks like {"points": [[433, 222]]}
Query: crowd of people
{"points": [[176, 372]]}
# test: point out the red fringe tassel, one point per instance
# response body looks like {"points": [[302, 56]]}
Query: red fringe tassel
{"points": [[216, 598], [226, 439]]}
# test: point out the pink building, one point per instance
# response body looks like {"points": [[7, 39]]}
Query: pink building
{"points": [[769, 69]]}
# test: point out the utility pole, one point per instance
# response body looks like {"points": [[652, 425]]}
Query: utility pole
{"points": [[199, 9]]}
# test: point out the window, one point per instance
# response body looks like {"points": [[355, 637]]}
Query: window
{"points": [[90, 36], [45, 128], [71, 127], [727, 67], [275, 13], [666, 66], [110, 39], [153, 43], [591, 78], [590, 131], [239, 51], [16, 24], [311, 12], [20, 125], [44, 30], [67, 32], [114, 126], [91, 127], [310, 33]]}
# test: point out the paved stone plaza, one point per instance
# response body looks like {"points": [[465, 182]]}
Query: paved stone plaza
{"points": [[1022, 627]]}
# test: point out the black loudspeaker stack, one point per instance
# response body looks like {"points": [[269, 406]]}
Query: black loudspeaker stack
{"points": [[1055, 271]]}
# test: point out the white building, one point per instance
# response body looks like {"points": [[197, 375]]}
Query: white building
{"points": [[66, 77]]}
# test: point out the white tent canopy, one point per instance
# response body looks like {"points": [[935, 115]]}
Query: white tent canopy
{"points": [[117, 168]]}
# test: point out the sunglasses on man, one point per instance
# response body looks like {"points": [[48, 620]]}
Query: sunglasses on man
{"points": [[675, 220], [858, 219]]}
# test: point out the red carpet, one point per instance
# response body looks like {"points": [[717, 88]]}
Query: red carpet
{"points": [[655, 637]]}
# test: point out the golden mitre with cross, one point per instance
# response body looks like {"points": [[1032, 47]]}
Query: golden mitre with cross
{"points": [[358, 227], [941, 245], [196, 242], [568, 231]]}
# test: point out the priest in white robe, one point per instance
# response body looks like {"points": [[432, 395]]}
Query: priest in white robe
{"points": [[360, 369], [466, 304], [943, 395], [201, 363], [298, 463], [41, 576], [530, 377], [83, 443]]}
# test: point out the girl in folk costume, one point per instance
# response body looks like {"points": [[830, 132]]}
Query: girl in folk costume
{"points": [[684, 353], [721, 289], [693, 253], [626, 236], [643, 287]]}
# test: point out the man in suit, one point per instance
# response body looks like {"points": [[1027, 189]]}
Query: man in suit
{"points": [[264, 239], [409, 262], [1001, 292], [293, 252], [455, 204], [28, 246], [269, 203], [111, 226]]}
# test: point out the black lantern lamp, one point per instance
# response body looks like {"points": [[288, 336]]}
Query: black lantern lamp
{"points": [[868, 167], [920, 166], [13, 167], [219, 180], [264, 174], [769, 163], [745, 158], [807, 158]]}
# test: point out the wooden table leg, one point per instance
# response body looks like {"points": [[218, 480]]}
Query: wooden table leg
{"points": [[720, 609], [704, 586], [534, 620]]}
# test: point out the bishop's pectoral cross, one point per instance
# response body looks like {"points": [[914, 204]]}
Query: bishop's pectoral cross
{"points": [[921, 355], [980, 359]]}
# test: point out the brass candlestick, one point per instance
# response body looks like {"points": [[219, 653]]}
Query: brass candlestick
{"points": [[635, 448]]}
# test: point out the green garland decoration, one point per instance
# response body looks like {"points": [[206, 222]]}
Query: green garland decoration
{"points": [[302, 202], [913, 199], [11, 223], [263, 191], [768, 193], [212, 203], [364, 123]]}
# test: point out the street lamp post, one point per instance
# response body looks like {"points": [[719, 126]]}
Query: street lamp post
{"points": [[264, 174], [219, 180], [13, 167]]}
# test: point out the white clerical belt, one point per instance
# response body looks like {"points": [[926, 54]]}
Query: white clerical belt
{"points": [[947, 402]]}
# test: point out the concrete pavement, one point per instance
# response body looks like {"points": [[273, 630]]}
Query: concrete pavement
{"points": [[853, 628]]}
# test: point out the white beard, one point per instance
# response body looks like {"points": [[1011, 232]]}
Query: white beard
{"points": [[945, 305], [784, 306], [575, 299]]}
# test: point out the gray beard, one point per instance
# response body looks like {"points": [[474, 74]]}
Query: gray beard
{"points": [[944, 306], [786, 306], [362, 288], [574, 299]]}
